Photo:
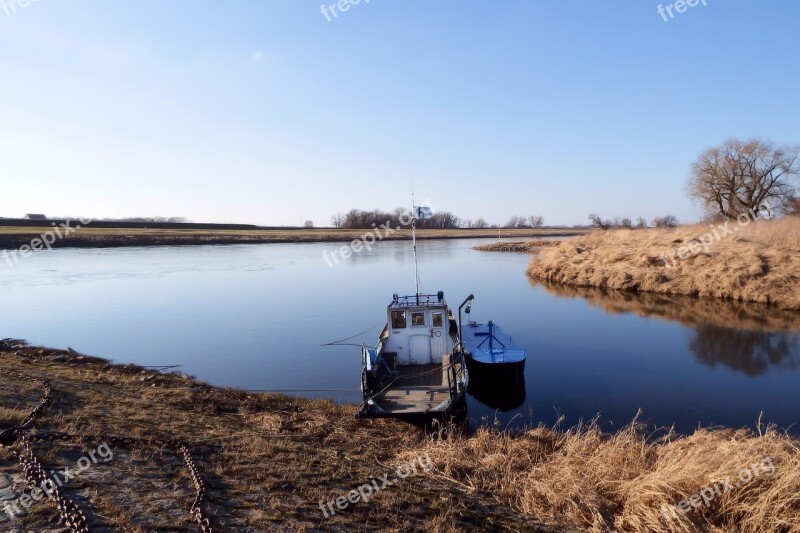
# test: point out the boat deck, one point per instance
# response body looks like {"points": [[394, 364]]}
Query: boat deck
{"points": [[417, 392], [421, 375], [412, 399]]}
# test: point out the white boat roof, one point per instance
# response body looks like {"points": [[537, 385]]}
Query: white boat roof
{"points": [[426, 300]]}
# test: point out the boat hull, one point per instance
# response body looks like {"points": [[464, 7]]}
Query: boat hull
{"points": [[500, 386]]}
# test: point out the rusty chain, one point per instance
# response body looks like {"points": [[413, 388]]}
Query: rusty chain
{"points": [[70, 514], [10, 435]]}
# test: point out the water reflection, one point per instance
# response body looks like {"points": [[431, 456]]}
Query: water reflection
{"points": [[230, 314], [747, 337], [498, 396], [751, 352]]}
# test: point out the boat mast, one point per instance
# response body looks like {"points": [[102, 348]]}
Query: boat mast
{"points": [[414, 240]]}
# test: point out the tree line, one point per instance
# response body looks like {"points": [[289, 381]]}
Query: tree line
{"points": [[667, 221], [357, 218]]}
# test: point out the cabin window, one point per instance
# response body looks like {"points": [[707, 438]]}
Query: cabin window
{"points": [[438, 320], [398, 319], [417, 319]]}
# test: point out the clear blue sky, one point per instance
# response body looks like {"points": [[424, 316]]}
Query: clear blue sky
{"points": [[265, 112]]}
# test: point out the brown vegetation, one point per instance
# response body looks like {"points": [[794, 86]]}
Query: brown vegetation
{"points": [[519, 246], [760, 262], [585, 478], [269, 459]]}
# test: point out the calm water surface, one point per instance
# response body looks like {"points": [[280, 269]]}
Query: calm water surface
{"points": [[255, 317]]}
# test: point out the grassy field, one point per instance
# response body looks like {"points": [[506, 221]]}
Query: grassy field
{"points": [[759, 262], [12, 237], [269, 460]]}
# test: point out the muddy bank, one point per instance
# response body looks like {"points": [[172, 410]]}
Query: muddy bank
{"points": [[521, 246], [267, 460], [270, 462]]}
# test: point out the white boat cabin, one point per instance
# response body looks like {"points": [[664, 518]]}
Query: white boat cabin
{"points": [[421, 330]]}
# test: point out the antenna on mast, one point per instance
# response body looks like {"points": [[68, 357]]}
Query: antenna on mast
{"points": [[414, 239]]}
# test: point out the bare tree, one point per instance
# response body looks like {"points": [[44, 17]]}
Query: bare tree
{"points": [[741, 176], [443, 220], [480, 224], [599, 222], [513, 222], [626, 223], [337, 220], [794, 206], [668, 221], [641, 222], [536, 221], [308, 224]]}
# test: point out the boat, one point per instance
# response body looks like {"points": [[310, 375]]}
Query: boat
{"points": [[493, 353], [496, 364], [416, 372]]}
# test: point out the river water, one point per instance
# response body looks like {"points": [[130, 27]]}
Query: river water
{"points": [[256, 317]]}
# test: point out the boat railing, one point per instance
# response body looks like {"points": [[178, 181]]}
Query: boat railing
{"points": [[418, 299]]}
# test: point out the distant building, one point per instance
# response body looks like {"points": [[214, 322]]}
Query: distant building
{"points": [[35, 217]]}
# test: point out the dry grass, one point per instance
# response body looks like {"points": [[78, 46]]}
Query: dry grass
{"points": [[759, 263], [780, 233], [586, 479], [521, 246], [269, 459]]}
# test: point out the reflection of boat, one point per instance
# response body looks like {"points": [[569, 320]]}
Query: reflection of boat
{"points": [[496, 393]]}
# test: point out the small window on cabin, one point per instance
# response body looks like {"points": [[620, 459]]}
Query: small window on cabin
{"points": [[438, 320], [417, 319], [398, 319]]}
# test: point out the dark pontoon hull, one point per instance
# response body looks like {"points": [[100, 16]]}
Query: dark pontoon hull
{"points": [[499, 386]]}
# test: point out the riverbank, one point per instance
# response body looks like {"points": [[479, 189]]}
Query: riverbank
{"points": [[519, 246], [271, 462], [15, 237], [759, 262]]}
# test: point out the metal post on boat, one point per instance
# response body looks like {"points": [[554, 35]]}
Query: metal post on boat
{"points": [[491, 339], [414, 246], [468, 300]]}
